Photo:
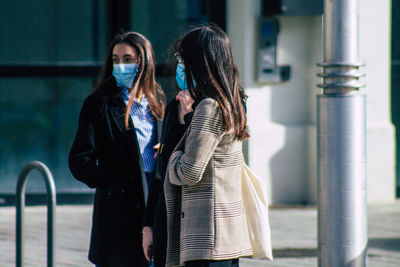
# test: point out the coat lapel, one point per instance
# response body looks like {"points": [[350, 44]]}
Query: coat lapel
{"points": [[117, 109], [159, 130], [117, 113]]}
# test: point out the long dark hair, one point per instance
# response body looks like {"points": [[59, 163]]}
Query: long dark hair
{"points": [[207, 55], [145, 79]]}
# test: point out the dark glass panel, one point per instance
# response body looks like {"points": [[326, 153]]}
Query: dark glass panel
{"points": [[38, 120]]}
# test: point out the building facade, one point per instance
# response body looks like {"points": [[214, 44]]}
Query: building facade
{"points": [[282, 116], [51, 52]]}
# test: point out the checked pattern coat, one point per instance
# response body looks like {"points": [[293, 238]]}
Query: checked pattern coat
{"points": [[205, 214]]}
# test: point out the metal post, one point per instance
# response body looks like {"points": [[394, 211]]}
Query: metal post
{"points": [[341, 126], [20, 205]]}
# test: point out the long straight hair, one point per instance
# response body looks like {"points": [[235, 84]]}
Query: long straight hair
{"points": [[144, 82], [207, 55]]}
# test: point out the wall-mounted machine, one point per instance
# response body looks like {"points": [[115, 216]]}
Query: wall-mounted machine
{"points": [[267, 69]]}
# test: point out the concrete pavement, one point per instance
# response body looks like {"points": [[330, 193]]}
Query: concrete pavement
{"points": [[294, 236]]}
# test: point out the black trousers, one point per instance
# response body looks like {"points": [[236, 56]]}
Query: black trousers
{"points": [[211, 263]]}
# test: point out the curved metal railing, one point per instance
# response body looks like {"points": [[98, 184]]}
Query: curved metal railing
{"points": [[20, 206]]}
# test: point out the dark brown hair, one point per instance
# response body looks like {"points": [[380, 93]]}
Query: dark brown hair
{"points": [[145, 78], [207, 55]]}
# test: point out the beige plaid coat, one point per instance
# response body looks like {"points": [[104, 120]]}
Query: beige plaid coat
{"points": [[205, 214]]}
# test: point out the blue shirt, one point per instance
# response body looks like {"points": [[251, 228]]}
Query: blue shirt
{"points": [[144, 123]]}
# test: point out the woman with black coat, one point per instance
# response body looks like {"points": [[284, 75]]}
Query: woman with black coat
{"points": [[155, 221], [113, 149]]}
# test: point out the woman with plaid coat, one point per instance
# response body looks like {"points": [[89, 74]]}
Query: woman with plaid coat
{"points": [[205, 216]]}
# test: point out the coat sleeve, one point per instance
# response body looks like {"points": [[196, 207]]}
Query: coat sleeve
{"points": [[154, 193], [187, 164], [82, 159]]}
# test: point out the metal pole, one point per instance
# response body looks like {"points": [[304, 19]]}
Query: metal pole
{"points": [[20, 205], [341, 131]]}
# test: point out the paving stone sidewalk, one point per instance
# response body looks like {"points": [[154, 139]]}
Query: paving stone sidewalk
{"points": [[294, 236]]}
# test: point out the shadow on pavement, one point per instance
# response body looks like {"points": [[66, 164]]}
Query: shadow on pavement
{"points": [[385, 243]]}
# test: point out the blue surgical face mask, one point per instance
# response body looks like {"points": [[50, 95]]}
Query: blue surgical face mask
{"points": [[124, 74], [181, 77]]}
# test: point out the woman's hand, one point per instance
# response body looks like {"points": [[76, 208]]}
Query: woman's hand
{"points": [[156, 147], [185, 105], [147, 240]]}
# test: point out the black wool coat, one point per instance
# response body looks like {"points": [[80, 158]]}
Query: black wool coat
{"points": [[156, 214], [105, 156]]}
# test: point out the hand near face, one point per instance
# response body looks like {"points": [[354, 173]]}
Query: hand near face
{"points": [[185, 105]]}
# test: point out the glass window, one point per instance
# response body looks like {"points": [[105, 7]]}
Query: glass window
{"points": [[52, 30], [39, 114], [39, 111], [163, 21], [38, 120]]}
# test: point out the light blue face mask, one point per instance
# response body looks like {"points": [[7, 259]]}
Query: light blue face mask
{"points": [[124, 74], [181, 77]]}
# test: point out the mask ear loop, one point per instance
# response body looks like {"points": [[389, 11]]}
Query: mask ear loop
{"points": [[178, 58]]}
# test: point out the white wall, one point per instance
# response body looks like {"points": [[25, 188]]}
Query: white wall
{"points": [[375, 25], [278, 115], [281, 117]]}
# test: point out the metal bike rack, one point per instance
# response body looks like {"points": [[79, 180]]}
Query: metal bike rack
{"points": [[20, 206]]}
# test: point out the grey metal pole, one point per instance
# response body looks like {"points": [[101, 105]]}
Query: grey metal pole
{"points": [[341, 131]]}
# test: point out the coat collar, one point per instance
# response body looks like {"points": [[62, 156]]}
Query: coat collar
{"points": [[111, 92], [113, 96]]}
